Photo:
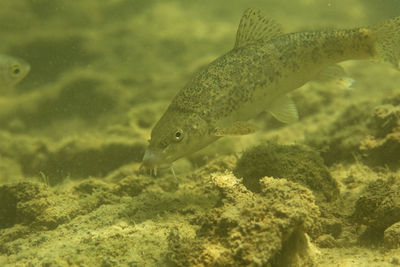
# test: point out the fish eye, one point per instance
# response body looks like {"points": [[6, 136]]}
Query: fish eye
{"points": [[15, 70], [178, 135]]}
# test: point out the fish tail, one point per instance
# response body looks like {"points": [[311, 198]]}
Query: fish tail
{"points": [[387, 36]]}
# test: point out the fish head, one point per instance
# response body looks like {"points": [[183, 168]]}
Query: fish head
{"points": [[176, 135], [13, 70]]}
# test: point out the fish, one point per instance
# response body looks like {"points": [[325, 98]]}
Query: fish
{"points": [[12, 70], [264, 65]]}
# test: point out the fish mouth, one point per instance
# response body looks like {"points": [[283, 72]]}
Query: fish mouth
{"points": [[154, 160]]}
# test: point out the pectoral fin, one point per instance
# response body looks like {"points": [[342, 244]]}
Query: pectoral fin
{"points": [[238, 128], [334, 76], [284, 110]]}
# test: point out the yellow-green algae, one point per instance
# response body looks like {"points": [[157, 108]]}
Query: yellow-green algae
{"points": [[295, 163]]}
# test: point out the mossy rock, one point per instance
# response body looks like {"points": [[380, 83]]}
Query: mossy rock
{"points": [[247, 229], [378, 208], [22, 203], [293, 162]]}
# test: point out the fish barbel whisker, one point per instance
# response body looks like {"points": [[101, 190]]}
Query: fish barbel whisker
{"points": [[155, 171], [173, 172]]}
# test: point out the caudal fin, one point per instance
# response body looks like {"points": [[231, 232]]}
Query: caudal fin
{"points": [[388, 41]]}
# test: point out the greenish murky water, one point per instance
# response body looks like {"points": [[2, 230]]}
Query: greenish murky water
{"points": [[322, 191]]}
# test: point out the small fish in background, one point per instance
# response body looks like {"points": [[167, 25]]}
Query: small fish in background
{"points": [[255, 76], [12, 70]]}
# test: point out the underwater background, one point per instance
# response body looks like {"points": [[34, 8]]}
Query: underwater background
{"points": [[324, 191]]}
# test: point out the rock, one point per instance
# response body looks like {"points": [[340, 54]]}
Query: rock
{"points": [[344, 135], [37, 206], [74, 157], [391, 236], [293, 162], [22, 203], [383, 146], [366, 129], [395, 261], [326, 241], [379, 206], [252, 229]]}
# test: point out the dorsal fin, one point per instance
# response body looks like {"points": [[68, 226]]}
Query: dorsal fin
{"points": [[254, 27]]}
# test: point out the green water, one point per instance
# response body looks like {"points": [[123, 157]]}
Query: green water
{"points": [[74, 131]]}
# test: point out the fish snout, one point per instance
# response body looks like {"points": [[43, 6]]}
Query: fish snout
{"points": [[154, 161], [150, 159]]}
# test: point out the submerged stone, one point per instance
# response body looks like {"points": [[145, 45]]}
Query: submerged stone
{"points": [[293, 162], [378, 208], [391, 236], [250, 229]]}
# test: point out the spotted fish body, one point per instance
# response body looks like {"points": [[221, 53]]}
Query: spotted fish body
{"points": [[12, 70], [255, 76]]}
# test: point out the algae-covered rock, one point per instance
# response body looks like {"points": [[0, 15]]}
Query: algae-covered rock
{"points": [[379, 207], [250, 229], [367, 132], [36, 205], [326, 241], [74, 157], [382, 151], [391, 236], [88, 156], [383, 145], [92, 221], [22, 203], [292, 162], [344, 135]]}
